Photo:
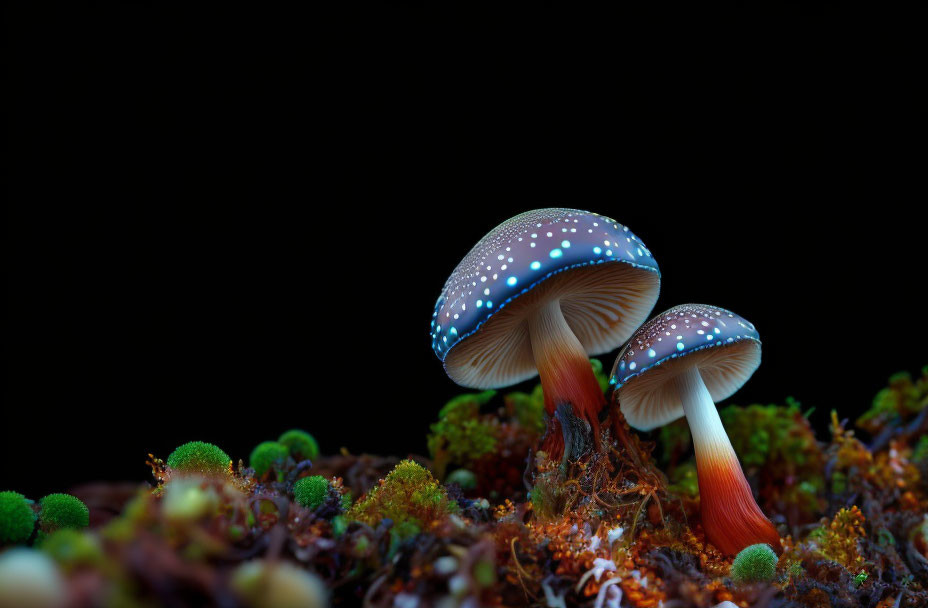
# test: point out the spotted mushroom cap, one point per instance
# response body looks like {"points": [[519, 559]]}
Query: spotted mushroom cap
{"points": [[604, 276], [724, 346]]}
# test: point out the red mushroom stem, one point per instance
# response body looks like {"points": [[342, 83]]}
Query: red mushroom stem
{"points": [[730, 515], [565, 372]]}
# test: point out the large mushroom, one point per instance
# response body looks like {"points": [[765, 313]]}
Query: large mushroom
{"points": [[679, 364], [539, 294]]}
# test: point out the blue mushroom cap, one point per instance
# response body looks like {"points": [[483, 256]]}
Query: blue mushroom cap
{"points": [[605, 278], [724, 346]]}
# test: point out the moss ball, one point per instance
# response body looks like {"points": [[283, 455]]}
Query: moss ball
{"points": [[63, 511], [311, 492], [16, 518], [754, 564], [301, 444], [268, 455], [199, 457]]}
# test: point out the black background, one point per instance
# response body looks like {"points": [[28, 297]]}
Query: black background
{"points": [[227, 224]]}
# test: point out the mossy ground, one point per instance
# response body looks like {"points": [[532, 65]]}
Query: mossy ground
{"points": [[620, 528]]}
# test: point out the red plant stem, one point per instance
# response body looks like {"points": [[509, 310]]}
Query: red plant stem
{"points": [[730, 515], [565, 372]]}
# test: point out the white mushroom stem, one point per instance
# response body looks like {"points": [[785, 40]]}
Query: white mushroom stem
{"points": [[563, 366], [730, 515], [709, 437]]}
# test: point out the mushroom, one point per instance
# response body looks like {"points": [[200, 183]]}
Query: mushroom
{"points": [[680, 363], [540, 293]]}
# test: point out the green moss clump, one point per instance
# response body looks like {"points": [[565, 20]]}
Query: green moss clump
{"points": [[410, 496], [675, 440], [550, 495], [601, 377], [528, 408], [838, 539], [16, 518], [72, 548], [777, 444], [268, 455], [199, 457], [301, 444], [311, 492], [754, 564], [684, 480], [763, 433], [60, 511], [901, 400], [920, 453], [461, 435]]}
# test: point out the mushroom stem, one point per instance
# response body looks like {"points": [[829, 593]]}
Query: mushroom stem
{"points": [[565, 372], [730, 515]]}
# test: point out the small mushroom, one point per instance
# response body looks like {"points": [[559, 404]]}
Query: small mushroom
{"points": [[539, 294], [680, 363]]}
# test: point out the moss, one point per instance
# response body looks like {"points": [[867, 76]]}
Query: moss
{"points": [[528, 408], [901, 400], [72, 548], [684, 480], [135, 515], [346, 500], [16, 518], [920, 453], [754, 564], [763, 433], [780, 454], [549, 496], [339, 525], [402, 531], [199, 457], [311, 492], [675, 440], [461, 436], [62, 511], [485, 573], [838, 539], [301, 444], [268, 455], [601, 377], [409, 495]]}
